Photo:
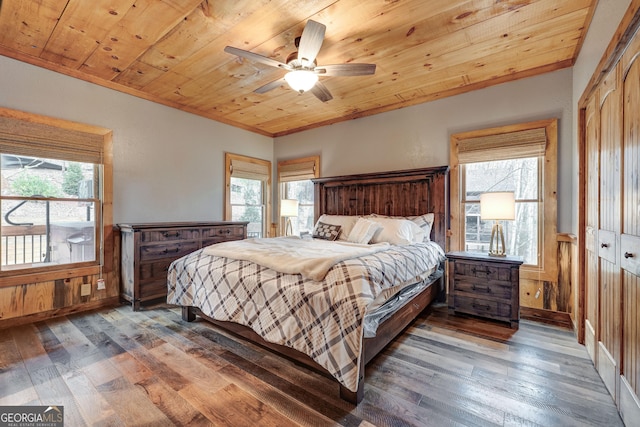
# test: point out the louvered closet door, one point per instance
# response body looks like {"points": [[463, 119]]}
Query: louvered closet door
{"points": [[609, 332], [592, 215], [630, 239]]}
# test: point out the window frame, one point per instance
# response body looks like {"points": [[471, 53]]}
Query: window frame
{"points": [[547, 214], [294, 170], [29, 131], [265, 177]]}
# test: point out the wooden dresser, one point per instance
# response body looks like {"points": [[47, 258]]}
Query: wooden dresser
{"points": [[147, 250], [485, 286]]}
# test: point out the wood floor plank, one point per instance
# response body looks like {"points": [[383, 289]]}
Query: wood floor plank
{"points": [[46, 379], [16, 382], [148, 368]]}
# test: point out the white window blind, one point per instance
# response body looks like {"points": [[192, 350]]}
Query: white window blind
{"points": [[505, 146]]}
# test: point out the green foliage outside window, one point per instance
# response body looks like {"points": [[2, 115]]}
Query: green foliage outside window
{"points": [[71, 179], [30, 185]]}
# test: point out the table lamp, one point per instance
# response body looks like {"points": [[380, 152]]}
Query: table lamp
{"points": [[497, 206]]}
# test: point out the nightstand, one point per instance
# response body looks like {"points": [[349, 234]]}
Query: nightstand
{"points": [[485, 286]]}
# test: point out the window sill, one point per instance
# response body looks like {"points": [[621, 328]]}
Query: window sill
{"points": [[14, 278]]}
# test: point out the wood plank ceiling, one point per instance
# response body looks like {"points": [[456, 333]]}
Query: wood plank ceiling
{"points": [[171, 51]]}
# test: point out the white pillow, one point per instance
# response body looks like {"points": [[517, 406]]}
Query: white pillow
{"points": [[397, 231], [423, 221], [363, 231], [346, 222]]}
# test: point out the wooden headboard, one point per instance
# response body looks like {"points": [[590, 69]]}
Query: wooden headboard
{"points": [[395, 193]]}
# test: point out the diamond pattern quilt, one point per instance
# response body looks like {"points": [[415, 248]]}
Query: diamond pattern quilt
{"points": [[322, 319]]}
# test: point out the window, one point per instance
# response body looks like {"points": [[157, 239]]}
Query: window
{"points": [[52, 197], [518, 175], [294, 177], [248, 187], [518, 158]]}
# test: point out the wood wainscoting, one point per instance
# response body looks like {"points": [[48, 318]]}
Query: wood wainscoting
{"points": [[29, 298], [554, 302]]}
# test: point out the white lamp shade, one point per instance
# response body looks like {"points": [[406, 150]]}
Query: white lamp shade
{"points": [[301, 80], [288, 207], [498, 206]]}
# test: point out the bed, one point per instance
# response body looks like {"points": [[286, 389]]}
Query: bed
{"points": [[338, 333]]}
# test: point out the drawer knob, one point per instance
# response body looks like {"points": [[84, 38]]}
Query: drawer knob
{"points": [[628, 255], [170, 234], [604, 245], [167, 251]]}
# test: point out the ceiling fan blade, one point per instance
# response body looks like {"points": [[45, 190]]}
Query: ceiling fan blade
{"points": [[346, 70], [255, 57], [321, 92], [311, 41], [271, 85]]}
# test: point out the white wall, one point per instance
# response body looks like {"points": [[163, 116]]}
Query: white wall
{"points": [[168, 165], [418, 136]]}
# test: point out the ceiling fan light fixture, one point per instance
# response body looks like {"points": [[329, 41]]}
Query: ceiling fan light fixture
{"points": [[301, 80]]}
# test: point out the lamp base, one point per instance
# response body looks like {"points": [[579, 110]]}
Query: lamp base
{"points": [[288, 229], [497, 237]]}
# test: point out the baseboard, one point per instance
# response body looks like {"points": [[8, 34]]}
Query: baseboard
{"points": [[31, 318], [629, 403], [590, 341], [608, 370], [547, 316]]}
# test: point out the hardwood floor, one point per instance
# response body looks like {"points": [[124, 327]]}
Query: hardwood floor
{"points": [[149, 368]]}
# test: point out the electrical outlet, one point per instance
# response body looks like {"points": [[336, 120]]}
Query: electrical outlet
{"points": [[101, 285], [85, 289]]}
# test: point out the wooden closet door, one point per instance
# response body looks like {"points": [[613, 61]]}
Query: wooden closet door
{"points": [[630, 238], [592, 215], [609, 332]]}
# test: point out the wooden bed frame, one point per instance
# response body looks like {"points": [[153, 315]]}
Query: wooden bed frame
{"points": [[397, 193]]}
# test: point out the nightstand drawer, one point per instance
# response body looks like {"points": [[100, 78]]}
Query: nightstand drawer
{"points": [[485, 272], [488, 289], [482, 307]]}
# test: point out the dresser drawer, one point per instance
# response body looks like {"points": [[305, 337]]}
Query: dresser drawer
{"points": [[153, 290], [483, 307], [226, 232], [487, 289], [169, 250], [155, 270], [169, 235]]}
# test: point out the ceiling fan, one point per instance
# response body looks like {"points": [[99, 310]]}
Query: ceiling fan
{"points": [[303, 70]]}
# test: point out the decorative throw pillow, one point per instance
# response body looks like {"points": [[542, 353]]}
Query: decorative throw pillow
{"points": [[345, 221], [363, 231], [326, 231]]}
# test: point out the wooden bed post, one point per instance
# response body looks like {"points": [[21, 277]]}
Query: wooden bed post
{"points": [[354, 397], [188, 314]]}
